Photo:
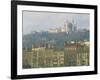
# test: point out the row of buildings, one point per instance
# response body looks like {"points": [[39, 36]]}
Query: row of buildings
{"points": [[73, 54]]}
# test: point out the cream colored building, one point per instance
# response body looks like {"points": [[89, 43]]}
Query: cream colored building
{"points": [[66, 28], [38, 48]]}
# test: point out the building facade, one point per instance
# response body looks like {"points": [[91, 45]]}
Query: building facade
{"points": [[76, 54], [68, 27]]}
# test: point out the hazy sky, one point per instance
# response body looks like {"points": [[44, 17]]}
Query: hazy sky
{"points": [[42, 21]]}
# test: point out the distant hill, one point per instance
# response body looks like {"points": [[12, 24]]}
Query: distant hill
{"points": [[58, 38]]}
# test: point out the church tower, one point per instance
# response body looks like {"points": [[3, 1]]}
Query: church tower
{"points": [[65, 27]]}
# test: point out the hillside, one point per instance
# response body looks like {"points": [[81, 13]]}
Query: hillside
{"points": [[56, 38]]}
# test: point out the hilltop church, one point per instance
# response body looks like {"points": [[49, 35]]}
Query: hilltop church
{"points": [[68, 27]]}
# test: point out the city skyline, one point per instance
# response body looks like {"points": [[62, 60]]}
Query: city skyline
{"points": [[61, 45], [42, 21]]}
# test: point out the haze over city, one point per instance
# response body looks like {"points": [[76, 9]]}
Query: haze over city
{"points": [[54, 39], [42, 21]]}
